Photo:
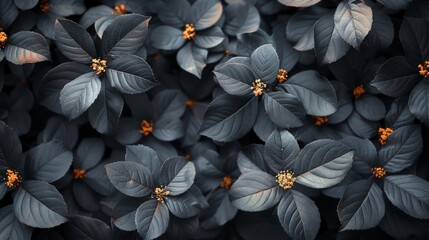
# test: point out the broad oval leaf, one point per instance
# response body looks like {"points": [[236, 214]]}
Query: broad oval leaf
{"points": [[39, 204], [265, 63], [298, 3], [107, 108], [323, 163], [315, 92], [396, 77], [177, 174], [370, 107], [49, 161], [89, 153], [235, 78], [58, 128], [81, 227], [255, 191], [353, 20], [8, 12], [152, 219], [27, 47], [209, 38], [414, 35], [192, 59], [298, 215], [55, 79], [402, 149], [124, 213], [167, 38], [79, 94], [205, 13], [284, 109], [362, 206], [280, 151], [130, 74], [328, 44], [145, 156], [184, 206], [130, 178], [125, 35], [229, 117], [419, 101], [74, 42], [409, 193], [10, 227]]}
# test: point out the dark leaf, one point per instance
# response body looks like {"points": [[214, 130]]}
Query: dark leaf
{"points": [[284, 109], [88, 153], [74, 42], [54, 80], [370, 107], [265, 63], [280, 150], [353, 20], [145, 156], [299, 3], [255, 191], [27, 47], [49, 161], [38, 204], [107, 108], [419, 101], [362, 206], [298, 215], [409, 193], [152, 219], [229, 117], [177, 174], [192, 59], [396, 77], [125, 35], [10, 227], [124, 214], [315, 92], [323, 163], [167, 38], [183, 206], [328, 44], [205, 13], [130, 178], [80, 227], [414, 34], [235, 78], [402, 149], [131, 74], [79, 94]]}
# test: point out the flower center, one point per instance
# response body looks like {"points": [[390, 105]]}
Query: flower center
{"points": [[189, 103], [285, 179], [119, 9], [282, 76], [226, 52], [3, 39], [189, 32], [12, 178], [146, 127], [44, 6], [379, 172], [384, 134], [99, 65], [319, 121], [188, 156], [424, 69], [359, 90], [258, 87], [79, 174], [226, 182], [160, 193]]}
